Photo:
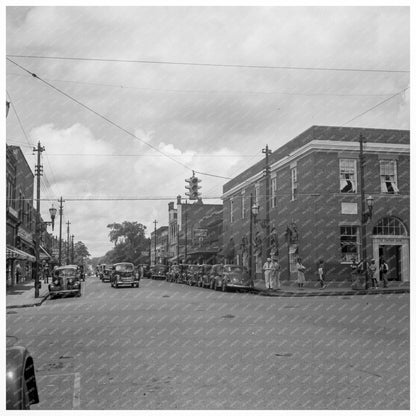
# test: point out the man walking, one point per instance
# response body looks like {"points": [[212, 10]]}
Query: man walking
{"points": [[267, 267]]}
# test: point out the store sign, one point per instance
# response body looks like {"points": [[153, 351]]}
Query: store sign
{"points": [[200, 232], [349, 208], [25, 235]]}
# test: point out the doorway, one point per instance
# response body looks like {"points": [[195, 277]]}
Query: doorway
{"points": [[392, 255]]}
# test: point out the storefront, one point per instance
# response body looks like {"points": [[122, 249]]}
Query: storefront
{"points": [[18, 266]]}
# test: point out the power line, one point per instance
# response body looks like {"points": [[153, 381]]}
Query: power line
{"points": [[302, 94], [147, 155], [204, 64], [107, 119], [377, 105]]}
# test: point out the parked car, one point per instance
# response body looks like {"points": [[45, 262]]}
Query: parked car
{"points": [[81, 272], [65, 280], [203, 280], [193, 274], [231, 276], [159, 271], [183, 270], [21, 387], [124, 274], [173, 274], [214, 275], [106, 274]]}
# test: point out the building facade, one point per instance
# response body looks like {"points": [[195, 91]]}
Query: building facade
{"points": [[195, 232], [159, 248], [314, 201]]}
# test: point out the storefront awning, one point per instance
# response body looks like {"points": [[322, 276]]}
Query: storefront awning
{"points": [[43, 254], [15, 253]]}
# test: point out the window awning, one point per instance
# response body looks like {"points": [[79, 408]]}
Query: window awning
{"points": [[15, 253]]}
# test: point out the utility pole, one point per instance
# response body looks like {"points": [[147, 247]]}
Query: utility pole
{"points": [[250, 244], [186, 232], [68, 243], [72, 244], [60, 231], [267, 151], [38, 172], [155, 222], [363, 209]]}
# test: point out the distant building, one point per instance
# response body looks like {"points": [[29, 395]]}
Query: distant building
{"points": [[314, 201], [159, 248], [195, 231]]}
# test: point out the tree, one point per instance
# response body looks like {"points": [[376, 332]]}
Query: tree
{"points": [[129, 243], [80, 252]]}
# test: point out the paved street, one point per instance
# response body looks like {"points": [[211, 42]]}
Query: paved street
{"points": [[170, 346]]}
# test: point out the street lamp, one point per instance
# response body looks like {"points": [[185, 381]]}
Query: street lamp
{"points": [[52, 212]]}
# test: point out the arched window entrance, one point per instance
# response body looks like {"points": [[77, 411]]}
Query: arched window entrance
{"points": [[391, 242]]}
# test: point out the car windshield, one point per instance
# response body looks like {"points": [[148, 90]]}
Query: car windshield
{"points": [[66, 273], [124, 267], [235, 269]]}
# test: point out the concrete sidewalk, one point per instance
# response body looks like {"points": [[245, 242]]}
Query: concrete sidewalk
{"points": [[313, 288], [22, 295]]}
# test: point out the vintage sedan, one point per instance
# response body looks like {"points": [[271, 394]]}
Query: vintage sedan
{"points": [[65, 281], [203, 280], [193, 274], [231, 276], [173, 274], [21, 388], [106, 274], [124, 274], [159, 271]]}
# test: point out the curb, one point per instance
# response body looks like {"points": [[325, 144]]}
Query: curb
{"points": [[362, 292], [29, 305]]}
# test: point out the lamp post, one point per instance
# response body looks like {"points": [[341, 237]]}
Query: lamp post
{"points": [[366, 215], [60, 231], [254, 212], [155, 222], [250, 247]]}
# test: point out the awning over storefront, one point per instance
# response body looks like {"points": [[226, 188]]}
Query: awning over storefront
{"points": [[15, 253], [43, 254]]}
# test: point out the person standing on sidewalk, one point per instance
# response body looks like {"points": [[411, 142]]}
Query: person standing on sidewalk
{"points": [[372, 273], [321, 274], [301, 275], [276, 274], [383, 273], [267, 267]]}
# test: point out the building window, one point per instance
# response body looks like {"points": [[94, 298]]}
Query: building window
{"points": [[390, 226], [256, 193], [388, 176], [243, 206], [348, 175], [231, 210], [294, 176], [274, 192], [349, 243]]}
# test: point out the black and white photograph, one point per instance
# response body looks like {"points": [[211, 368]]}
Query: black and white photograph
{"points": [[207, 206]]}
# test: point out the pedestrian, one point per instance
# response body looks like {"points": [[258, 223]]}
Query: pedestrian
{"points": [[276, 275], [267, 267], [321, 274], [301, 273], [384, 268], [372, 273]]}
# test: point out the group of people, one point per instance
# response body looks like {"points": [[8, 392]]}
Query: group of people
{"points": [[272, 274], [372, 271]]}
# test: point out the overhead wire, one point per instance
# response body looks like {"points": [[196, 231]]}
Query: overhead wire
{"points": [[207, 64], [104, 117]]}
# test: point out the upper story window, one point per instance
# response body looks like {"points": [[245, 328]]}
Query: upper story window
{"points": [[388, 176], [274, 192], [231, 210], [243, 205], [348, 175], [256, 193], [294, 177]]}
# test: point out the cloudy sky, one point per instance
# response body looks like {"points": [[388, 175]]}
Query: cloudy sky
{"points": [[257, 82]]}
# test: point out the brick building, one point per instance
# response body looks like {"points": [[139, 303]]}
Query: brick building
{"points": [[195, 231], [314, 203], [159, 248]]}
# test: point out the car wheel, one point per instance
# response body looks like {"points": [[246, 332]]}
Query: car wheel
{"points": [[79, 293], [25, 397], [116, 285], [224, 287], [214, 285]]}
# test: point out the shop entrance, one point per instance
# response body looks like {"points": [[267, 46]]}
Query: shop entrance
{"points": [[391, 243]]}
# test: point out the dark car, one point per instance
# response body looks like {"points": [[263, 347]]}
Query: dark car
{"points": [[21, 388], [106, 274], [231, 276], [65, 281], [173, 274], [183, 270], [159, 271], [124, 274], [214, 275], [204, 275], [193, 274]]}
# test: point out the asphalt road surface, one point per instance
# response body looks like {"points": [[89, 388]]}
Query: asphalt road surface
{"points": [[171, 346]]}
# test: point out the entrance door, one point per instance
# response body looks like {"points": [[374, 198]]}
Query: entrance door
{"points": [[392, 255]]}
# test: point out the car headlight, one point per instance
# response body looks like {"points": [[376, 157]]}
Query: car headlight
{"points": [[56, 282]]}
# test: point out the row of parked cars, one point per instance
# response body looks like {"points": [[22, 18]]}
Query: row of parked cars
{"points": [[217, 276]]}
